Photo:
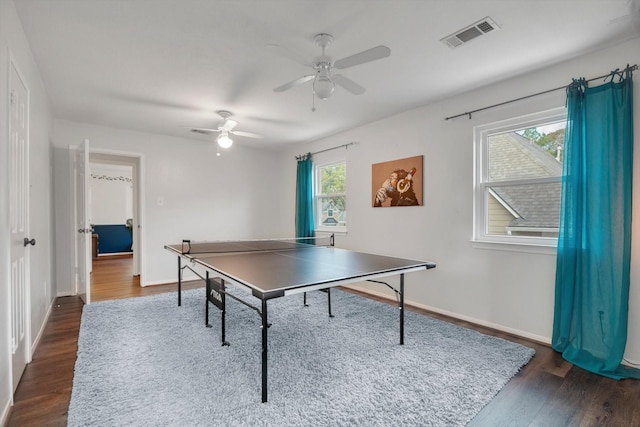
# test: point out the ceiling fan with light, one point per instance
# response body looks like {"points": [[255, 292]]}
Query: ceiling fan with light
{"points": [[225, 129], [324, 80]]}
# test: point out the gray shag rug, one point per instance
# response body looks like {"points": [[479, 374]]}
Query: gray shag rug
{"points": [[147, 362]]}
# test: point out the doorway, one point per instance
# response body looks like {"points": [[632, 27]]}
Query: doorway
{"points": [[117, 176]]}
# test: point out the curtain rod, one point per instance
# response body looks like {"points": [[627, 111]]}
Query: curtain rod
{"points": [[302, 156], [468, 113]]}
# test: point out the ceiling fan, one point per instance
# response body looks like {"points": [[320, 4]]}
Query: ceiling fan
{"points": [[226, 128], [324, 80]]}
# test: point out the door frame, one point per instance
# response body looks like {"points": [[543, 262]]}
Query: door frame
{"points": [[136, 161], [76, 179]]}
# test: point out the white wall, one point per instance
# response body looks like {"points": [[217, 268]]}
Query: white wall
{"points": [[13, 42], [204, 197], [111, 194], [506, 289], [250, 193]]}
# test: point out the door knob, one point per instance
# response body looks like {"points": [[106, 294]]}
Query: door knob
{"points": [[29, 242]]}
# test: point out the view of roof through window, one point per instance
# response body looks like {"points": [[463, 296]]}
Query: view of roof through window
{"points": [[524, 173]]}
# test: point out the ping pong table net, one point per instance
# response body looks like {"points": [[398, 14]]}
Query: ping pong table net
{"points": [[261, 245]]}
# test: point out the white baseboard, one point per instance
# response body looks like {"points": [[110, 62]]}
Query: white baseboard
{"points": [[114, 253], [65, 293], [158, 282], [186, 278], [6, 410], [497, 327], [169, 282], [36, 342]]}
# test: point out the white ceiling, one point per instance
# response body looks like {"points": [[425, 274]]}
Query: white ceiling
{"points": [[166, 66]]}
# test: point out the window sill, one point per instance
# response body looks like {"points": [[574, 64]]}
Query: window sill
{"points": [[515, 247], [332, 230]]}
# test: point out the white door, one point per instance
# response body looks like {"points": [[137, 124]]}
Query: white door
{"points": [[83, 228], [20, 241]]}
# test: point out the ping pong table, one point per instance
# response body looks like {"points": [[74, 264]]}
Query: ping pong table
{"points": [[274, 268]]}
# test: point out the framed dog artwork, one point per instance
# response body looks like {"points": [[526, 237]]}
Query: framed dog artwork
{"points": [[397, 182]]}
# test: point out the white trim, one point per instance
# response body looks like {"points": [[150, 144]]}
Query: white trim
{"points": [[6, 292], [540, 229], [166, 282], [481, 184], [550, 242], [552, 115], [73, 218], [66, 293], [502, 202], [475, 321], [515, 182], [316, 195], [36, 341], [114, 254], [136, 160], [140, 175], [4, 419], [331, 229], [515, 247]]}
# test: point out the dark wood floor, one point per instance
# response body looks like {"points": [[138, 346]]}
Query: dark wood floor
{"points": [[547, 392], [43, 395]]}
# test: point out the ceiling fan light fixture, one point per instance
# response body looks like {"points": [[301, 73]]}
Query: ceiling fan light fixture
{"points": [[223, 140], [323, 86]]}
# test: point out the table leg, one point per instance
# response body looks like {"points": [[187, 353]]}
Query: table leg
{"points": [[402, 309], [265, 327], [206, 301], [329, 301], [179, 280], [224, 313]]}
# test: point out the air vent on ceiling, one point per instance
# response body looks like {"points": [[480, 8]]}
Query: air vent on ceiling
{"points": [[469, 33]]}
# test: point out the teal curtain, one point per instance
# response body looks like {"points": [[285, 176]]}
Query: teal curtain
{"points": [[304, 197], [594, 244]]}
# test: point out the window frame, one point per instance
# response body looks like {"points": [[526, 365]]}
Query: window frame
{"points": [[481, 182], [317, 167]]}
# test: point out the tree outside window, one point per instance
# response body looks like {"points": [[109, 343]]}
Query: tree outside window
{"points": [[518, 180]]}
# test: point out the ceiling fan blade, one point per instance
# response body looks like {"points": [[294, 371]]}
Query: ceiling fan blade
{"points": [[247, 134], [204, 131], [368, 55], [294, 83], [348, 84], [228, 124]]}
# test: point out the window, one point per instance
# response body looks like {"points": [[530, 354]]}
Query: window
{"points": [[518, 178], [331, 197]]}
